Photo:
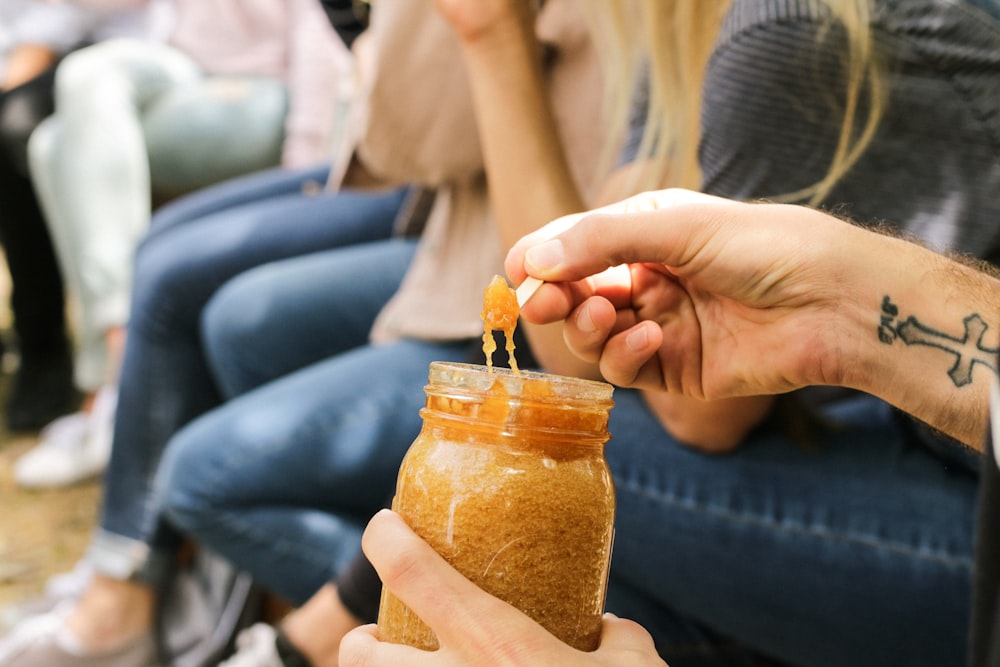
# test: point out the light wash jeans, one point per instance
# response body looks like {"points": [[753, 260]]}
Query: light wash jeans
{"points": [[282, 478], [120, 107], [194, 246]]}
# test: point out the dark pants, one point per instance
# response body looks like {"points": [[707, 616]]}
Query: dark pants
{"points": [[37, 297]]}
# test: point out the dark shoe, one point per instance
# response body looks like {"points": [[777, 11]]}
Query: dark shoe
{"points": [[42, 391]]}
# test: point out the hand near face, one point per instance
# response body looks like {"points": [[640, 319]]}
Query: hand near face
{"points": [[472, 19]]}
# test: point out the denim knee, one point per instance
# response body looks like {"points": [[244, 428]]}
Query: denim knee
{"points": [[164, 271], [230, 325], [179, 486]]}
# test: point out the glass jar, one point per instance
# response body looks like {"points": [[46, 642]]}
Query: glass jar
{"points": [[508, 482]]}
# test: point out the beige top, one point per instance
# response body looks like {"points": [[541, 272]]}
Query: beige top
{"points": [[431, 139]]}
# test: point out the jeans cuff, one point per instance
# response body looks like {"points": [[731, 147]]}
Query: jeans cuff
{"points": [[125, 558]]}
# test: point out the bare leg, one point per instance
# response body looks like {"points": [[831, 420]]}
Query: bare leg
{"points": [[111, 613], [317, 627]]}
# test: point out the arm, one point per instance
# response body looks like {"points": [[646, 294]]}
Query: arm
{"points": [[529, 179], [24, 63], [42, 32], [721, 299], [473, 628]]}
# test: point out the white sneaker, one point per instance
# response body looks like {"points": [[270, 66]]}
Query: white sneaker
{"points": [[45, 641], [255, 647], [72, 448], [60, 588], [70, 585]]}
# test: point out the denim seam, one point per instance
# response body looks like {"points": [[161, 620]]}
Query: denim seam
{"points": [[279, 545], [231, 458], [799, 529]]}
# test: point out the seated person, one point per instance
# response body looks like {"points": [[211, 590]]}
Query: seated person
{"points": [[137, 122], [770, 272]]}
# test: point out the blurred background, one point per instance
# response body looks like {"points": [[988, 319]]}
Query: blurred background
{"points": [[41, 532]]}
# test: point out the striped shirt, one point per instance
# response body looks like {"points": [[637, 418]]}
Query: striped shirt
{"points": [[773, 109]]}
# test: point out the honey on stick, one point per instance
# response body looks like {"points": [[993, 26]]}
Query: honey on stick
{"points": [[500, 313], [507, 480]]}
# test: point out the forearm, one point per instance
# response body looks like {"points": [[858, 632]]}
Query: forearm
{"points": [[923, 334], [25, 63], [318, 72], [530, 181], [914, 327]]}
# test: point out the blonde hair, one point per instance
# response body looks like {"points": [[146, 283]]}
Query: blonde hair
{"points": [[674, 39]]}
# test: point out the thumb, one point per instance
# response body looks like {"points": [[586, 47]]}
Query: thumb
{"points": [[671, 234], [624, 634], [514, 264]]}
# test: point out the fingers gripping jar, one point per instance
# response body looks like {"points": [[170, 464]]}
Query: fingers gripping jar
{"points": [[508, 482]]}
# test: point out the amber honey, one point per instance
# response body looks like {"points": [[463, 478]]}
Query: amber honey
{"points": [[500, 313], [507, 480]]}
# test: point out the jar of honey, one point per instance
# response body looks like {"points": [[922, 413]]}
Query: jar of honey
{"points": [[507, 481]]}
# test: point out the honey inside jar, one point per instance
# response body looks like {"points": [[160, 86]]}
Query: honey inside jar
{"points": [[508, 482], [500, 313]]}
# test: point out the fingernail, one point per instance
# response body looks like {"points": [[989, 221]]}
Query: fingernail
{"points": [[637, 340], [584, 321], [545, 256]]}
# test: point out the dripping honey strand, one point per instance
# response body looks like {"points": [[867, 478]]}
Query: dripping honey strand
{"points": [[500, 313]]}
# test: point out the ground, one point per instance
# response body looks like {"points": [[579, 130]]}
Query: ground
{"points": [[41, 532]]}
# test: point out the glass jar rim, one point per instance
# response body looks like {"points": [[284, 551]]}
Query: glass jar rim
{"points": [[478, 377]]}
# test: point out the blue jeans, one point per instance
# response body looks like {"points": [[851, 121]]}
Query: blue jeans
{"points": [[283, 477], [193, 247], [855, 549]]}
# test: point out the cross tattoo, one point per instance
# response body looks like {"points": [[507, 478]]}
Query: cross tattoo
{"points": [[968, 350]]}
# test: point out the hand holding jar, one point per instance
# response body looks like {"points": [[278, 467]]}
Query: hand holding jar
{"points": [[472, 627]]}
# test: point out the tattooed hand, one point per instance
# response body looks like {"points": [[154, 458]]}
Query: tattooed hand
{"points": [[710, 298], [701, 288]]}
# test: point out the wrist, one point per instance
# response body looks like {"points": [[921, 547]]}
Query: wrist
{"points": [[511, 27], [872, 268], [926, 335]]}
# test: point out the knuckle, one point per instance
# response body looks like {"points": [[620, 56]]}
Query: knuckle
{"points": [[404, 565]]}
